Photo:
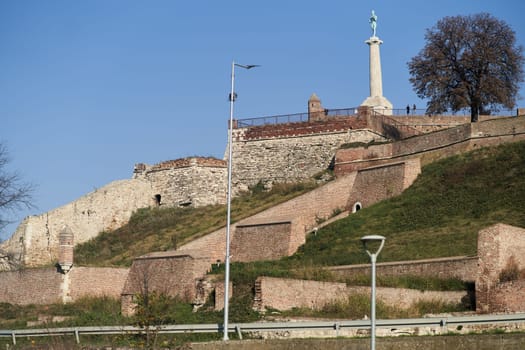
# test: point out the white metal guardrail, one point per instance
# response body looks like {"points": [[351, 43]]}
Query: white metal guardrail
{"points": [[269, 326]]}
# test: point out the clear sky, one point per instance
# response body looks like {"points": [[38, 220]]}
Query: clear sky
{"points": [[89, 88]]}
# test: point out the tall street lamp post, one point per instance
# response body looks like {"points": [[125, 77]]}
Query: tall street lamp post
{"points": [[367, 240], [232, 98]]}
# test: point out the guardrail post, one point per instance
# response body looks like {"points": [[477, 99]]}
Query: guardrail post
{"points": [[337, 326], [443, 326], [13, 336], [238, 329], [77, 337]]}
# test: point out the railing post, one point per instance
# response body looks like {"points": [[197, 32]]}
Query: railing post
{"points": [[13, 337], [77, 337], [238, 329]]}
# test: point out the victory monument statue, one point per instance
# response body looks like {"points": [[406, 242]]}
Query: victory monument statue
{"points": [[376, 100]]}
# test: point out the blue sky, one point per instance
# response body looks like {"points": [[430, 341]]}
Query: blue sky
{"points": [[89, 88]]}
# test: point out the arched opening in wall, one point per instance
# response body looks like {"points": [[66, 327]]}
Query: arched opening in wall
{"points": [[357, 206], [157, 199]]}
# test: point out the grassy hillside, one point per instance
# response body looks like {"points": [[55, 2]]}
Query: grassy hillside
{"points": [[438, 216], [160, 229]]}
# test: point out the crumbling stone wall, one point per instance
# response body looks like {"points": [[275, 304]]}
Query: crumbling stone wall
{"points": [[36, 240], [193, 181], [291, 152]]}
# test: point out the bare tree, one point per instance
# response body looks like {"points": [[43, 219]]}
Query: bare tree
{"points": [[14, 194], [468, 62]]}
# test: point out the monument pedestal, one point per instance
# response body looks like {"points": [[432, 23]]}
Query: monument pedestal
{"points": [[376, 100]]}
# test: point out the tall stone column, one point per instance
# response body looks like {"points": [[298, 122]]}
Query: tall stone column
{"points": [[376, 81], [376, 100]]}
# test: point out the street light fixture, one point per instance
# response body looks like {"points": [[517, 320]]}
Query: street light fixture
{"points": [[367, 240], [232, 98]]}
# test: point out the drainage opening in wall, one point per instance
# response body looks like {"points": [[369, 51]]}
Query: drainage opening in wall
{"points": [[357, 206], [157, 199]]}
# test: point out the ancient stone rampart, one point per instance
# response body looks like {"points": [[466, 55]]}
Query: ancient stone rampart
{"points": [[36, 240], [293, 151], [193, 181]]}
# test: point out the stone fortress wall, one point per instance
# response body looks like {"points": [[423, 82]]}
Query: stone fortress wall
{"points": [[36, 240], [294, 219]]}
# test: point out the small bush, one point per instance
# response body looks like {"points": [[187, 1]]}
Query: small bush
{"points": [[511, 272]]}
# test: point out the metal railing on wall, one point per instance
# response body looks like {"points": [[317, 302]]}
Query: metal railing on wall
{"points": [[239, 328], [348, 112], [292, 118]]}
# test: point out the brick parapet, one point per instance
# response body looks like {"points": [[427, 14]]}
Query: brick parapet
{"points": [[287, 130], [463, 268], [285, 294], [433, 146]]}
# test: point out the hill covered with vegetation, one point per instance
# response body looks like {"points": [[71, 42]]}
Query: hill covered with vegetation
{"points": [[438, 216]]}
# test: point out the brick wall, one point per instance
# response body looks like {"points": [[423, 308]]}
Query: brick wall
{"points": [[285, 294], [507, 297], [463, 268], [497, 244], [31, 286], [96, 281], [269, 241], [302, 212], [433, 146], [384, 181], [173, 273], [47, 285]]}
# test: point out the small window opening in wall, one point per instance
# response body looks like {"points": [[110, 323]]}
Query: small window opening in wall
{"points": [[357, 207], [157, 199]]}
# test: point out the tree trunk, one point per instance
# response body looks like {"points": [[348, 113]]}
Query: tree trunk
{"points": [[474, 113]]}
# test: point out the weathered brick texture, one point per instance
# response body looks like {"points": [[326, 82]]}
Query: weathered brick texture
{"points": [[433, 146], [303, 213], [173, 273], [463, 268], [497, 245], [48, 285], [96, 281], [298, 154], [285, 294], [269, 241], [385, 181]]}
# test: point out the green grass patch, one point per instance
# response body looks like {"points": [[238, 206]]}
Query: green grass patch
{"points": [[165, 228]]}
